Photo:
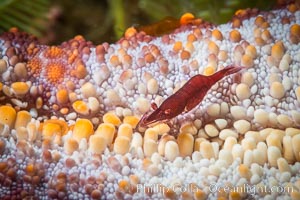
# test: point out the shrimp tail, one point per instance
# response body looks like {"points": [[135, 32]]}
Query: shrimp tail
{"points": [[225, 72]]}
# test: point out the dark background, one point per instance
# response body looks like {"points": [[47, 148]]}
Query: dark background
{"points": [[106, 20]]}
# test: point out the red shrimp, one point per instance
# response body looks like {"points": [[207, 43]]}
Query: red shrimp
{"points": [[186, 98]]}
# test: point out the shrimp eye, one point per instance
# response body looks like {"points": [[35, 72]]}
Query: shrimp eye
{"points": [[154, 106], [168, 111]]}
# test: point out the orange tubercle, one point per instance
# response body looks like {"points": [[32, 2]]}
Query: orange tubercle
{"points": [[53, 52], [130, 32], [80, 107], [217, 34], [209, 71], [295, 33], [186, 18], [9, 117], [62, 124], [62, 96], [30, 169], [177, 46], [79, 38], [20, 88], [83, 129], [234, 36], [185, 55], [124, 185], [34, 66], [50, 130], [55, 72], [80, 71], [240, 12], [293, 8], [114, 60]]}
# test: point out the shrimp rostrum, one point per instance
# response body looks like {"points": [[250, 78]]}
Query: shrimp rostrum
{"points": [[187, 97]]}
